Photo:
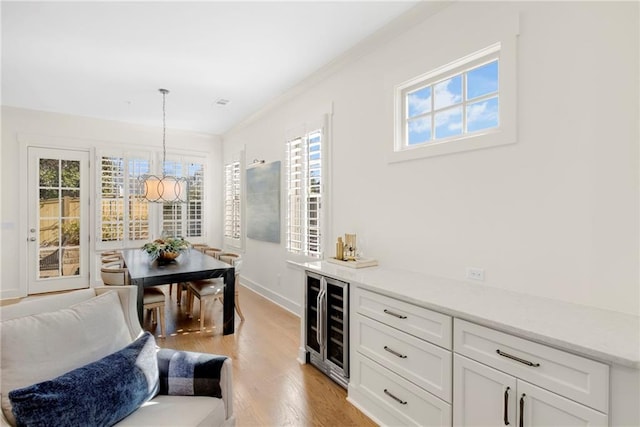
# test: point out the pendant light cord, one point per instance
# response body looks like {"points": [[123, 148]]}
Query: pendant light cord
{"points": [[164, 130]]}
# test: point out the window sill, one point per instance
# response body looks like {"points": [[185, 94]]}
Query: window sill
{"points": [[504, 136]]}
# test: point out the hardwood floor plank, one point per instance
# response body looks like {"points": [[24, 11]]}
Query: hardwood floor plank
{"points": [[271, 388]]}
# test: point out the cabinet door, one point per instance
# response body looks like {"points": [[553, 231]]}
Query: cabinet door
{"points": [[482, 396], [538, 407]]}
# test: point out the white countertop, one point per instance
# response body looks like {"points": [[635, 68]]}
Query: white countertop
{"points": [[600, 334]]}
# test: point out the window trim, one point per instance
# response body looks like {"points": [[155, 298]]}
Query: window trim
{"points": [[505, 52], [303, 132]]}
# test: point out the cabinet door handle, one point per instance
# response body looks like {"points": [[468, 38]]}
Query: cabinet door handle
{"points": [[400, 401], [399, 316], [517, 359], [522, 410], [506, 406], [395, 353]]}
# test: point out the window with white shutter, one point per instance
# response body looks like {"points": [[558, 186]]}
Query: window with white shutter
{"points": [[124, 215], [305, 184], [125, 219], [232, 212], [185, 219]]}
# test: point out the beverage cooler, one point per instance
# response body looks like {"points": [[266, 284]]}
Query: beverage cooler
{"points": [[327, 326]]}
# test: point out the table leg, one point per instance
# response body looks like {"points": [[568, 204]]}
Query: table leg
{"points": [[229, 302], [140, 303]]}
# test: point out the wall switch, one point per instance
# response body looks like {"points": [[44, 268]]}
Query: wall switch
{"points": [[475, 274]]}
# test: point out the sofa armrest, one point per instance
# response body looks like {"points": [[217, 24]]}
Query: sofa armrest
{"points": [[186, 373]]}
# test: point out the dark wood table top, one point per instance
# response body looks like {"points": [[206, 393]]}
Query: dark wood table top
{"points": [[190, 265]]}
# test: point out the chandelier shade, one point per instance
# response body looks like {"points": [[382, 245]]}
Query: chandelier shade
{"points": [[164, 189]]}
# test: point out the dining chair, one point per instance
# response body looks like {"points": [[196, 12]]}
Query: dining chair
{"points": [[115, 274], [205, 290], [207, 250], [214, 252], [236, 261], [200, 246]]}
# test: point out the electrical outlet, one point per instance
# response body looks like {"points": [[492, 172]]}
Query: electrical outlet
{"points": [[475, 274]]}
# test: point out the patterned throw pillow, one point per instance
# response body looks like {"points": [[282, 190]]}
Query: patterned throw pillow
{"points": [[185, 373], [98, 394]]}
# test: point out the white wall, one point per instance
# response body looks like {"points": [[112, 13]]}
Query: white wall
{"points": [[83, 132], [555, 215]]}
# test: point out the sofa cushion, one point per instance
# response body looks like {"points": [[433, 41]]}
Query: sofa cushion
{"points": [[43, 346], [186, 373], [98, 394], [174, 411]]}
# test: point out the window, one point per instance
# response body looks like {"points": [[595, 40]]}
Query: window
{"points": [[124, 215], [232, 213], [304, 193], [126, 219], [466, 104], [185, 219]]}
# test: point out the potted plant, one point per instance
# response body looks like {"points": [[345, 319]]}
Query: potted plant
{"points": [[166, 249]]}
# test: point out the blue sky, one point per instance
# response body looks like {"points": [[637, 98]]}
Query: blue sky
{"points": [[446, 99]]}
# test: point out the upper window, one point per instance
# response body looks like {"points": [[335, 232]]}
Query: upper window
{"points": [[460, 104], [304, 194], [456, 107]]}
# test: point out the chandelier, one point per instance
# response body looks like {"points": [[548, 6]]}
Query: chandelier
{"points": [[165, 189]]}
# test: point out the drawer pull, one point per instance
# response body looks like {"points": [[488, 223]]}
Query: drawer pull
{"points": [[522, 410], [399, 316], [402, 402], [517, 359], [395, 353], [506, 406]]}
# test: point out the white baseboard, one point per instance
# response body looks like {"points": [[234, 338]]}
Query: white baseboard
{"points": [[275, 298]]}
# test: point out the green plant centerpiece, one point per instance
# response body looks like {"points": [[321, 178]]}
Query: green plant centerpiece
{"points": [[166, 249]]}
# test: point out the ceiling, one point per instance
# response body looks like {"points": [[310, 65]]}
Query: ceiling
{"points": [[108, 59]]}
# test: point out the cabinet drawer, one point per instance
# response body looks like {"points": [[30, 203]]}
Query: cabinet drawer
{"points": [[399, 398], [575, 377], [417, 321], [422, 363]]}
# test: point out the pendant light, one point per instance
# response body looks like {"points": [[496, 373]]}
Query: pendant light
{"points": [[165, 189]]}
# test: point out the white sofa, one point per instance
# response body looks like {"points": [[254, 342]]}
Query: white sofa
{"points": [[43, 337]]}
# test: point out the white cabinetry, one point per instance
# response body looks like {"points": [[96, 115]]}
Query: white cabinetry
{"points": [[401, 361], [513, 381]]}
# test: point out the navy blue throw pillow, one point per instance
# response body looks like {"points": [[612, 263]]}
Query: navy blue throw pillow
{"points": [[98, 394]]}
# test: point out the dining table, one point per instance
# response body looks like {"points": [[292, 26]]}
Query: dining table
{"points": [[190, 265]]}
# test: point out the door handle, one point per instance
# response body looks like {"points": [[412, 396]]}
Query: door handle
{"points": [[506, 406], [517, 359], [319, 317], [522, 410]]}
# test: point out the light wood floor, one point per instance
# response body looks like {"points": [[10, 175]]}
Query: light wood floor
{"points": [[271, 388]]}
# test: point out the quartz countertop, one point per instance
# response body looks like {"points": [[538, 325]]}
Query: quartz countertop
{"points": [[604, 335]]}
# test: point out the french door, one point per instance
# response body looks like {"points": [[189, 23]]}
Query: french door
{"points": [[58, 218]]}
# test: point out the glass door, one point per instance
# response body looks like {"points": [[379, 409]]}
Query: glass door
{"points": [[337, 335], [58, 208]]}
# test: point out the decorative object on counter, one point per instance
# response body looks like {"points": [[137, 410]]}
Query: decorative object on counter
{"points": [[349, 247], [166, 249], [340, 249], [347, 255], [355, 263]]}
